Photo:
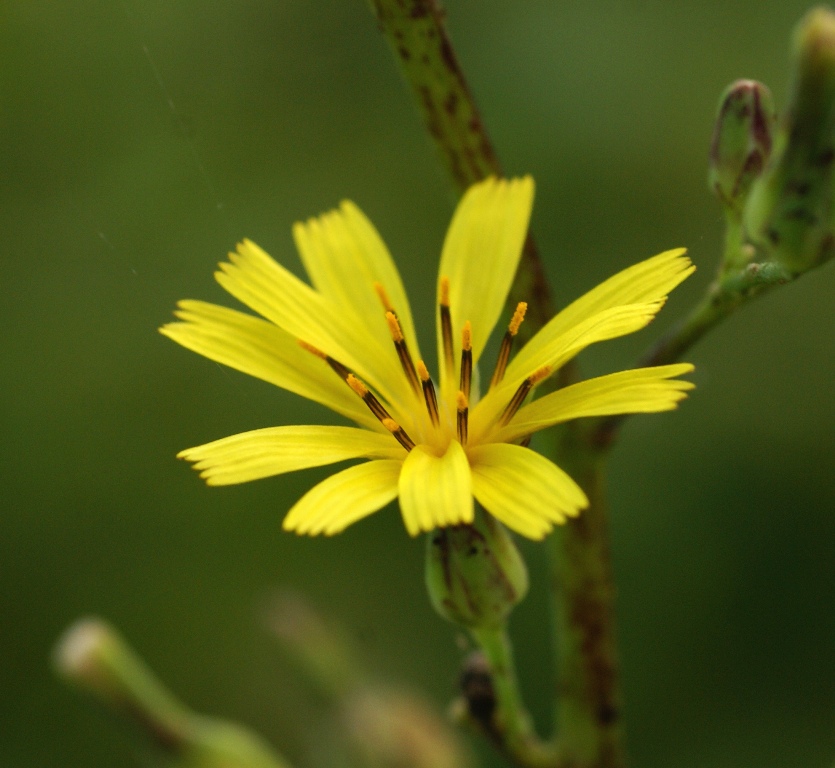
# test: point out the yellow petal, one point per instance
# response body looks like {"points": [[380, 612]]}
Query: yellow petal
{"points": [[643, 390], [646, 282], [481, 253], [263, 350], [258, 281], [523, 489], [342, 499], [345, 256], [435, 491], [609, 324], [274, 451]]}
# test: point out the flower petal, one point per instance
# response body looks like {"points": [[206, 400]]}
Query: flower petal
{"points": [[643, 390], [523, 489], [644, 283], [481, 253], [276, 450], [609, 324], [345, 256], [263, 350], [435, 491], [258, 281], [342, 499]]}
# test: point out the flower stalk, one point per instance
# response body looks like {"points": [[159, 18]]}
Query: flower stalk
{"points": [[509, 725]]}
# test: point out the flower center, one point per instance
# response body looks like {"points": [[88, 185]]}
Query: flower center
{"points": [[437, 424]]}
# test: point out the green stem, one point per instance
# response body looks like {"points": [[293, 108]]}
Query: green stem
{"points": [[511, 727], [588, 688], [416, 34]]}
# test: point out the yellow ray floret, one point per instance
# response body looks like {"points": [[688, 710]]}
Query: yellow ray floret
{"points": [[347, 341]]}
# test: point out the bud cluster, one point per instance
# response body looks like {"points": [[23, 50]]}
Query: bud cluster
{"points": [[775, 180]]}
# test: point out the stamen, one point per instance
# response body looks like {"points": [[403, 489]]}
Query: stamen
{"points": [[524, 389], [507, 343], [374, 405], [466, 359], [342, 371], [463, 417], [402, 350], [446, 325], [428, 392], [399, 433], [384, 297]]}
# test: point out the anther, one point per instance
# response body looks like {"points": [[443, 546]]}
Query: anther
{"points": [[466, 359], [463, 417], [446, 325], [518, 317], [522, 392], [399, 433], [384, 297], [342, 371], [374, 405], [428, 392], [402, 350], [507, 343]]}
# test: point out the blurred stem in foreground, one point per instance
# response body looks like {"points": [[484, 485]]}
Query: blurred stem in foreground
{"points": [[93, 656], [378, 725]]}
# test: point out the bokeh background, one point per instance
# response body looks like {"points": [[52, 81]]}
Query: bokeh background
{"points": [[140, 140]]}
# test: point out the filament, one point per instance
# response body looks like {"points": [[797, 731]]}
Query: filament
{"points": [[507, 343], [428, 392], [522, 392]]}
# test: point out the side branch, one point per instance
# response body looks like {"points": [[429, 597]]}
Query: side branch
{"points": [[723, 297]]}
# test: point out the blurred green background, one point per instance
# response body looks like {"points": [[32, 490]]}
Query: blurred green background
{"points": [[140, 140]]}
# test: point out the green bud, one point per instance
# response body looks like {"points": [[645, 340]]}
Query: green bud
{"points": [[741, 142], [789, 214], [474, 573], [93, 656]]}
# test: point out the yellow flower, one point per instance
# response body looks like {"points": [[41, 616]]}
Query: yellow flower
{"points": [[349, 343]]}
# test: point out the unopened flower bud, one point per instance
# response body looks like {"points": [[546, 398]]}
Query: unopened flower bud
{"points": [[741, 142], [92, 655], [474, 573], [790, 213]]}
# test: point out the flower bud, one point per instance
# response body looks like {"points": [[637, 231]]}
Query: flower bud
{"points": [[789, 214], [474, 573], [92, 655], [741, 142]]}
